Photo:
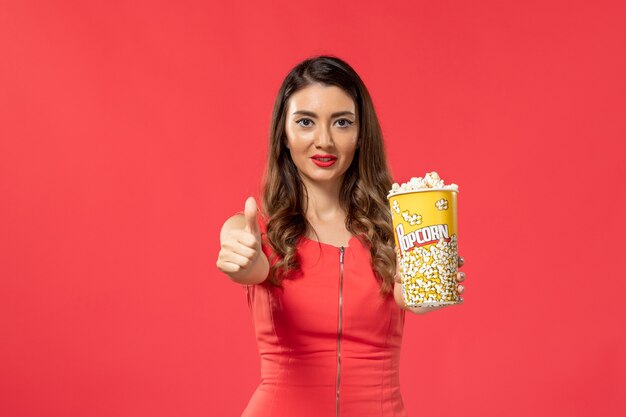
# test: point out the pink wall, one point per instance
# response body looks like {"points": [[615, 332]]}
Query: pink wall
{"points": [[129, 131]]}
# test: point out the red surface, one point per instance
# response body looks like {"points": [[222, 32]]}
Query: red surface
{"points": [[129, 131]]}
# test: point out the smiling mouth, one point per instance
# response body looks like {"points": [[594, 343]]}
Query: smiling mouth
{"points": [[324, 161], [326, 158]]}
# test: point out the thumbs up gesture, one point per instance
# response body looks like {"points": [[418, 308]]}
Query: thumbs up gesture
{"points": [[250, 213], [240, 241]]}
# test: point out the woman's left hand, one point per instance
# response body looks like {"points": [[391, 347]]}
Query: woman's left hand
{"points": [[460, 276]]}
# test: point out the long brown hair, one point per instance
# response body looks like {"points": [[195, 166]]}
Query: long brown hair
{"points": [[365, 185]]}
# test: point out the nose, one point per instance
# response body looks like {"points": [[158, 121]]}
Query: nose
{"points": [[323, 138]]}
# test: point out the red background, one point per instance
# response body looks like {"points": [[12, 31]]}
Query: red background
{"points": [[129, 131]]}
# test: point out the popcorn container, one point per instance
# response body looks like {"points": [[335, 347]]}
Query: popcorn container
{"points": [[425, 231]]}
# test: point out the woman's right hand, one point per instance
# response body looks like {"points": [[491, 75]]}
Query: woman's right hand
{"points": [[399, 297], [240, 241]]}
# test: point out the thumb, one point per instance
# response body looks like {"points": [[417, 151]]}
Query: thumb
{"points": [[250, 212], [398, 276]]}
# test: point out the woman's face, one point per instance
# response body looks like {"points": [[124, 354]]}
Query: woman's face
{"points": [[322, 133]]}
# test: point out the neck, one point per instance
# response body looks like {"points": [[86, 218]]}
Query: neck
{"points": [[323, 203]]}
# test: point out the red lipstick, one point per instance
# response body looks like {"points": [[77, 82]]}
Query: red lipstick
{"points": [[324, 161]]}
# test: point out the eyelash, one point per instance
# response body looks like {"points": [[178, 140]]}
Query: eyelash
{"points": [[350, 123]]}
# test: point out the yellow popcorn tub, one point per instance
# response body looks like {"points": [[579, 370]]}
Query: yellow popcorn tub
{"points": [[425, 230]]}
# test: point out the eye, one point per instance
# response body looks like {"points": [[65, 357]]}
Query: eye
{"points": [[304, 120], [347, 123]]}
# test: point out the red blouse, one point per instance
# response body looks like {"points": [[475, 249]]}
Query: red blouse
{"points": [[329, 343]]}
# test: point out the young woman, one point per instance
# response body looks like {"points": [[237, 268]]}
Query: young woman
{"points": [[318, 262]]}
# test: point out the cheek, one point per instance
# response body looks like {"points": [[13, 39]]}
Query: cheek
{"points": [[291, 140], [296, 147], [351, 144], [296, 139], [288, 137], [354, 138]]}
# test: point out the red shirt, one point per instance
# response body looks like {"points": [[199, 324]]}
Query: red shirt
{"points": [[329, 343]]}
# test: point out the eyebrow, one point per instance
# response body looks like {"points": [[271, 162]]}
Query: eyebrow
{"points": [[310, 113]]}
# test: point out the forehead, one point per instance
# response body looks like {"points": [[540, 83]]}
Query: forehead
{"points": [[320, 99]]}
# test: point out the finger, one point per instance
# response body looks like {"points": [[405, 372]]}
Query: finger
{"points": [[246, 238], [461, 261], [241, 249], [228, 267], [250, 211], [460, 289], [236, 259], [460, 276], [422, 310], [244, 250], [233, 245]]}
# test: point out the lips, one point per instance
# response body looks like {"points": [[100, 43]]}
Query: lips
{"points": [[324, 161]]}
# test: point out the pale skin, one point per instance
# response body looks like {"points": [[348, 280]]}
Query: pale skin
{"points": [[320, 120]]}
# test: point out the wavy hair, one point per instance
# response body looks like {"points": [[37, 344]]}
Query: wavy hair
{"points": [[365, 185]]}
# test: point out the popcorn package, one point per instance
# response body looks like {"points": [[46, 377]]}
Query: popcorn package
{"points": [[424, 215]]}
